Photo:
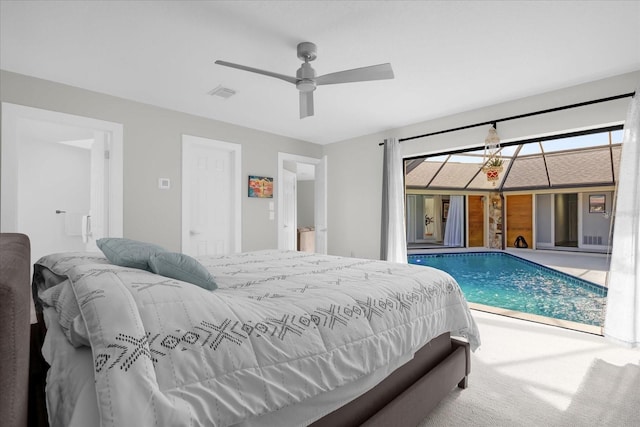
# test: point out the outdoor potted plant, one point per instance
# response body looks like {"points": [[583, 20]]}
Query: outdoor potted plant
{"points": [[492, 169]]}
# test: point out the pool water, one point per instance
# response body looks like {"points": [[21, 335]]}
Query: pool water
{"points": [[502, 280]]}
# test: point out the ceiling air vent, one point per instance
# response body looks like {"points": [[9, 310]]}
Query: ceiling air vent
{"points": [[222, 92]]}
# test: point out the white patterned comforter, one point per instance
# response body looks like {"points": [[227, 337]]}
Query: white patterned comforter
{"points": [[281, 328]]}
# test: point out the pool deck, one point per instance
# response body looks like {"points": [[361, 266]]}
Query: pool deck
{"points": [[588, 266]]}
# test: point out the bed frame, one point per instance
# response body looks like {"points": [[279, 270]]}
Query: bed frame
{"points": [[404, 398]]}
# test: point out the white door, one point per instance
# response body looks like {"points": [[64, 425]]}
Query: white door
{"points": [[58, 179], [210, 197], [289, 213]]}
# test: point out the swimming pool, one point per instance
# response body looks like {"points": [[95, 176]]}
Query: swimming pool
{"points": [[502, 280]]}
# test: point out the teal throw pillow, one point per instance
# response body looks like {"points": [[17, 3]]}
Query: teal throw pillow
{"points": [[127, 252], [182, 267]]}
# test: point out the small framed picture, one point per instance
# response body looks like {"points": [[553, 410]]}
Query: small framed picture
{"points": [[597, 203], [260, 186]]}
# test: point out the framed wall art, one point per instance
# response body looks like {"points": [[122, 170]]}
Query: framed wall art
{"points": [[445, 209], [260, 186], [597, 203]]}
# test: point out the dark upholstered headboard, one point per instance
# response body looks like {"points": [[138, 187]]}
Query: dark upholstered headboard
{"points": [[15, 320]]}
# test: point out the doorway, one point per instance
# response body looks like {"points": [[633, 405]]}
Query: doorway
{"points": [[61, 179], [438, 220], [211, 196], [566, 220], [304, 202]]}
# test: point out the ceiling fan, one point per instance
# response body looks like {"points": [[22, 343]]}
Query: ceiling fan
{"points": [[306, 80]]}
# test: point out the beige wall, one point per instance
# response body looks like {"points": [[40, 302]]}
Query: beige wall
{"points": [[152, 149], [355, 166]]}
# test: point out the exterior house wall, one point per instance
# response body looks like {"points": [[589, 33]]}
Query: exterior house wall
{"points": [[596, 226]]}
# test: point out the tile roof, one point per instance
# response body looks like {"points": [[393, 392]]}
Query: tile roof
{"points": [[578, 167]]}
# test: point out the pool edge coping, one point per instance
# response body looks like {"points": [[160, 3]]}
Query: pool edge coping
{"points": [[549, 321]]}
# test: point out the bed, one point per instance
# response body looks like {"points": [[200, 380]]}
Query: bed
{"points": [[281, 338]]}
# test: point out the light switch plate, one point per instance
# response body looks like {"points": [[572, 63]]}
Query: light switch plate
{"points": [[164, 183]]}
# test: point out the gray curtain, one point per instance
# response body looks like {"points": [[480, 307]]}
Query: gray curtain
{"points": [[393, 244], [622, 321]]}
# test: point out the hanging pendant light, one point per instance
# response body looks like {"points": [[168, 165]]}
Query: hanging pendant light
{"points": [[491, 160]]}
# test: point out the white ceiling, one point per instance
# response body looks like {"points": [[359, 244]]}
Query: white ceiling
{"points": [[448, 57]]}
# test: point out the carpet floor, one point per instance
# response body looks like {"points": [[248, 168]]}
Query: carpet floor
{"points": [[528, 374]]}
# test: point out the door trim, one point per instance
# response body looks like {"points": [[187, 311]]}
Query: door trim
{"points": [[11, 116], [292, 185], [189, 141]]}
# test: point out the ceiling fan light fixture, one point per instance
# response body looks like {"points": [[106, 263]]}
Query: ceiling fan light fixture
{"points": [[306, 85], [306, 78]]}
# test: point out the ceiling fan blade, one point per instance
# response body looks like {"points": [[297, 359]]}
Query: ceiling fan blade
{"points": [[258, 71], [373, 72], [306, 104]]}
